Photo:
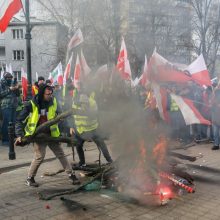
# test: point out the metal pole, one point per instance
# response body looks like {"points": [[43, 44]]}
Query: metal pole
{"points": [[11, 154], [28, 48]]}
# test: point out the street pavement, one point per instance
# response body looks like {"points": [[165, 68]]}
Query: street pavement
{"points": [[19, 202]]}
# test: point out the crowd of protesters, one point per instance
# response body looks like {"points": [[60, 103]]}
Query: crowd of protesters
{"points": [[206, 100], [49, 99]]}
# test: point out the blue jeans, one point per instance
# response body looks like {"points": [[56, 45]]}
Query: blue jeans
{"points": [[8, 115], [216, 130]]}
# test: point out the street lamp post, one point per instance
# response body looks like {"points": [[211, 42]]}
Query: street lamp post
{"points": [[28, 48]]}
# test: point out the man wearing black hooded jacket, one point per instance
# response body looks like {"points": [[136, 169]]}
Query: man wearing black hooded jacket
{"points": [[40, 109], [9, 93]]}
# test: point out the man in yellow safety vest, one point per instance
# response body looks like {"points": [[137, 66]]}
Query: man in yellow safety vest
{"points": [[40, 109]]}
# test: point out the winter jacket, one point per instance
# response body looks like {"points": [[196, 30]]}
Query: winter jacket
{"points": [[23, 115], [9, 99]]}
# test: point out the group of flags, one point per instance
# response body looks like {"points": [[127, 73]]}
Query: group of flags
{"points": [[158, 70]]}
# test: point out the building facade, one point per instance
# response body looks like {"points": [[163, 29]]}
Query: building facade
{"points": [[44, 47]]}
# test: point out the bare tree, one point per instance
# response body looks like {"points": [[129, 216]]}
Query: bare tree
{"points": [[206, 24]]}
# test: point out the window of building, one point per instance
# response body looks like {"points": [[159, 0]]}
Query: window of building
{"points": [[18, 55], [18, 34], [2, 51], [17, 74]]}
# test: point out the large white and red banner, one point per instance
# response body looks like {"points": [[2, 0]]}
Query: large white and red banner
{"points": [[123, 65], [161, 70], [190, 113], [8, 8], [199, 72], [76, 40]]}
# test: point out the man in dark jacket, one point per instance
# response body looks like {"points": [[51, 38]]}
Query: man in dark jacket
{"points": [[9, 93], [42, 108]]}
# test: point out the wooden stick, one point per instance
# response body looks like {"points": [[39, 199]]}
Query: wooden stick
{"points": [[46, 138], [71, 191]]}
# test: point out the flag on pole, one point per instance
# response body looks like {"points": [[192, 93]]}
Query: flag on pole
{"points": [[36, 75], [8, 8], [143, 79], [66, 74], [8, 68], [123, 64], [161, 70], [76, 40], [199, 72], [24, 83], [57, 74], [190, 114], [77, 73], [161, 100], [84, 66]]}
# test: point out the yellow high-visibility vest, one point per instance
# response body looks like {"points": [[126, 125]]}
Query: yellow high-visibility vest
{"points": [[84, 123], [174, 107], [34, 117]]}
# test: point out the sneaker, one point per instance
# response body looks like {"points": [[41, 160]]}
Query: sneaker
{"points": [[215, 148], [31, 182], [74, 179]]}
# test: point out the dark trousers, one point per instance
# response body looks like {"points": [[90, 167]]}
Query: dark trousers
{"points": [[8, 115], [99, 142]]}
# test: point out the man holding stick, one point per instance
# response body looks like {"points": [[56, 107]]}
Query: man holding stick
{"points": [[40, 109]]}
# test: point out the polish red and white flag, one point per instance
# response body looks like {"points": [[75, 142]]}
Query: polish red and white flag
{"points": [[161, 70], [161, 100], [199, 72], [84, 66], [8, 8], [24, 83], [76, 40], [77, 73], [190, 113], [123, 65], [66, 74]]}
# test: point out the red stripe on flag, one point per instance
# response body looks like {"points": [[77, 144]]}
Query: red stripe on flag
{"points": [[13, 8], [202, 78], [171, 75], [196, 112]]}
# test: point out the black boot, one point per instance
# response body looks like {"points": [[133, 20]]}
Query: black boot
{"points": [[215, 148]]}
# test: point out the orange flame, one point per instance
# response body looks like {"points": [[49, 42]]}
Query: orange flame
{"points": [[159, 151]]}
